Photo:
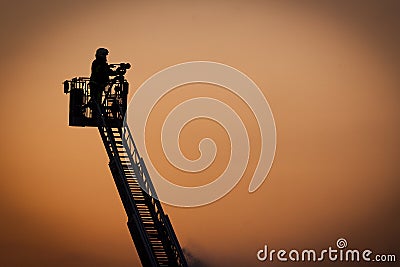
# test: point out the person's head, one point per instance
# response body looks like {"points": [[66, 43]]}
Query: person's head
{"points": [[101, 53]]}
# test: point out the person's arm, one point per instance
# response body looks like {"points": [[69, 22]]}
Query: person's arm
{"points": [[110, 71]]}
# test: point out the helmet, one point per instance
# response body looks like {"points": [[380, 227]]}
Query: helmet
{"points": [[101, 52]]}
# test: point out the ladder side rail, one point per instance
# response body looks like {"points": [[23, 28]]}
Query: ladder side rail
{"points": [[143, 177], [134, 225], [169, 241], [126, 191], [141, 170], [147, 179], [104, 138], [177, 248], [138, 160], [169, 233], [134, 157]]}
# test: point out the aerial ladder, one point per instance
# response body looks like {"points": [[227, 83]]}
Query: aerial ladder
{"points": [[150, 228]]}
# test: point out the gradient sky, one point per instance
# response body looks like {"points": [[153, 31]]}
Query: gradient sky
{"points": [[329, 70]]}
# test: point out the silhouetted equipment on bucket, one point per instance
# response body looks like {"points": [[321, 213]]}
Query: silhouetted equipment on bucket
{"points": [[150, 228]]}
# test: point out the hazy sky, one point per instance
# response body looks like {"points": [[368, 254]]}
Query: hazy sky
{"points": [[328, 69]]}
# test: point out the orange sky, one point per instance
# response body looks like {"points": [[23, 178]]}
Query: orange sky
{"points": [[329, 72]]}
